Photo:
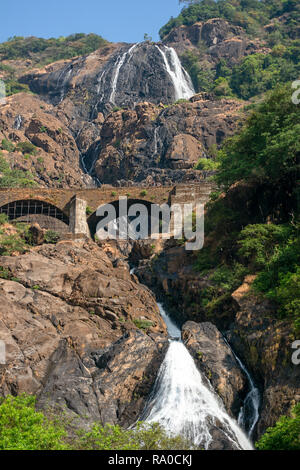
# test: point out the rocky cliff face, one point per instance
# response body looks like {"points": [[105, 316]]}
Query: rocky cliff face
{"points": [[216, 360], [68, 319], [220, 39], [109, 117], [265, 343], [153, 144], [250, 324], [119, 75], [55, 161]]}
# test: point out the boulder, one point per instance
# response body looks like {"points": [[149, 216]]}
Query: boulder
{"points": [[68, 322], [37, 234], [216, 360]]}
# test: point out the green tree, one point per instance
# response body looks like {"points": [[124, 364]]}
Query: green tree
{"points": [[285, 435], [268, 147], [23, 428]]}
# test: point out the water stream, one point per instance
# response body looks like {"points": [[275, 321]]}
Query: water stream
{"points": [[120, 61], [181, 80], [183, 403], [249, 412]]}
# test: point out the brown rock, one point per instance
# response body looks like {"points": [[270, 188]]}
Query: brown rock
{"points": [[56, 162], [37, 233], [215, 358], [184, 152], [69, 332]]}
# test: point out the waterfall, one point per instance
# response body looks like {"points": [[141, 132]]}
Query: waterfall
{"points": [[249, 412], [183, 404], [156, 136], [120, 61], [181, 80], [18, 122], [62, 81]]}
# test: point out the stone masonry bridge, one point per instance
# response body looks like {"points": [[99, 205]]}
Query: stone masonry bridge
{"points": [[72, 212]]}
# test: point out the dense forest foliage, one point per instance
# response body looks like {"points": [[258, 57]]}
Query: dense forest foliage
{"points": [[256, 220], [22, 427], [285, 435], [44, 51], [249, 14], [256, 73], [41, 52]]}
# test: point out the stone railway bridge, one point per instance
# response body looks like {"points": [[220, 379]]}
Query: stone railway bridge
{"points": [[72, 212]]}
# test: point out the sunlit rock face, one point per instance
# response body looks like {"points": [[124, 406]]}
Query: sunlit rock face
{"points": [[122, 75]]}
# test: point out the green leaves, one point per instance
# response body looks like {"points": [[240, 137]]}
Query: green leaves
{"points": [[268, 146], [259, 242], [14, 178], [49, 50], [143, 437], [285, 435], [24, 428]]}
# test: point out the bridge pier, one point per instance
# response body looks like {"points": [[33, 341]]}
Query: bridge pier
{"points": [[78, 224]]}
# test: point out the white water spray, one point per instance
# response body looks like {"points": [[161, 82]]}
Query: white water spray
{"points": [[62, 82], [249, 412], [116, 72], [181, 80], [183, 404], [156, 131]]}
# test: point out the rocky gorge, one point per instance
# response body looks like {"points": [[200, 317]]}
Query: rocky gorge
{"points": [[79, 317]]}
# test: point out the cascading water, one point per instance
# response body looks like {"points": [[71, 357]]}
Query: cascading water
{"points": [[181, 80], [62, 82], [120, 61], [155, 138], [249, 413], [183, 404]]}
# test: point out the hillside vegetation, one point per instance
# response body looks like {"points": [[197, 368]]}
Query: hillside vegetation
{"points": [[274, 24], [256, 220], [249, 14], [40, 52], [44, 51], [22, 427]]}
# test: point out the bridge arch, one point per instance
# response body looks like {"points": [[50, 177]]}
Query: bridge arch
{"points": [[47, 215], [93, 219]]}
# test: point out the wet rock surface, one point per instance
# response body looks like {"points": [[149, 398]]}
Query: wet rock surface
{"points": [[264, 344], [53, 158], [68, 319], [216, 360], [153, 145], [251, 325]]}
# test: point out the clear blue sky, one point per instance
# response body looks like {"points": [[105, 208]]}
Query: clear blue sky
{"points": [[115, 20]]}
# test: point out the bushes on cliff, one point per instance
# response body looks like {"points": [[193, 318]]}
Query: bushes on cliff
{"points": [[267, 149], [22, 427], [285, 435], [43, 51], [10, 178], [142, 437], [13, 238], [259, 244], [250, 14], [253, 76], [255, 224]]}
